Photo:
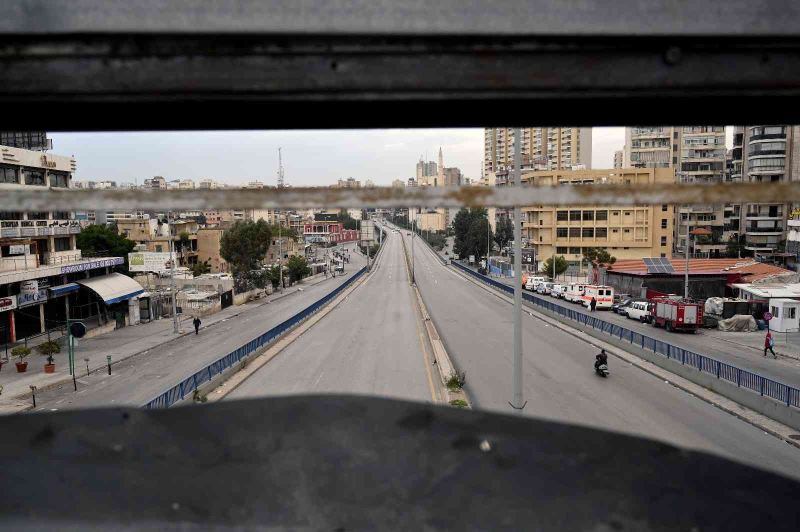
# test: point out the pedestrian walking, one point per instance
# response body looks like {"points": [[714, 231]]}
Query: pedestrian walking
{"points": [[769, 343], [593, 304], [196, 321]]}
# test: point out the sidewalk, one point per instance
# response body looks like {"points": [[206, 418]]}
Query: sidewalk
{"points": [[121, 344]]}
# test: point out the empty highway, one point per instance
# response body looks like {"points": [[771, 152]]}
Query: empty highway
{"points": [[559, 381], [371, 343]]}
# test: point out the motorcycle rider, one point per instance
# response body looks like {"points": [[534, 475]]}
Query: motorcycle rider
{"points": [[600, 359]]}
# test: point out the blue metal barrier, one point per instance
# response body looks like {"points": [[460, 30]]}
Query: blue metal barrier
{"points": [[742, 378], [192, 383]]}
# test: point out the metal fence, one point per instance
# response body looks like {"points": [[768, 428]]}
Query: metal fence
{"points": [[744, 379], [193, 382]]}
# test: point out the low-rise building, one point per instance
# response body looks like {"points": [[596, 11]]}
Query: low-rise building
{"points": [[626, 232], [707, 277], [208, 246], [44, 278]]}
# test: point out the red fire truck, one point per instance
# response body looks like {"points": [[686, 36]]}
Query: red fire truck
{"points": [[676, 314]]}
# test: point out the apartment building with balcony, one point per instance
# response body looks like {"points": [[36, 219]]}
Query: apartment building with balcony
{"points": [[556, 148], [43, 276], [696, 154], [627, 232], [765, 154]]}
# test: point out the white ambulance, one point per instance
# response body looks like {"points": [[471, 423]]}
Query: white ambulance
{"points": [[603, 295], [574, 292]]}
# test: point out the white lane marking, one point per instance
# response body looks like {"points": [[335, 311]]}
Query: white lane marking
{"points": [[318, 379]]}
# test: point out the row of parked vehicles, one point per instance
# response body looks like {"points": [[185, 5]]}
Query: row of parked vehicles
{"points": [[582, 293], [671, 312]]}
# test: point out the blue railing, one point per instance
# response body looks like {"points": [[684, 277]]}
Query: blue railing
{"points": [[783, 393], [193, 382]]}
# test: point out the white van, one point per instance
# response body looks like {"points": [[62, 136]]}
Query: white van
{"points": [[533, 282], [639, 310], [557, 290], [603, 295], [544, 288], [574, 292]]}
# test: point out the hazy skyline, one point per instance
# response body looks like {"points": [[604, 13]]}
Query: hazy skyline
{"points": [[310, 158]]}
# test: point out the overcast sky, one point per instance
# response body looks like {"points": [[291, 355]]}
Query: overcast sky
{"points": [[310, 158]]}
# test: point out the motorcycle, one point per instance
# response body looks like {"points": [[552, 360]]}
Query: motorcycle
{"points": [[602, 370]]}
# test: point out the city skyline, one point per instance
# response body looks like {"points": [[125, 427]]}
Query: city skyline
{"points": [[378, 155]]}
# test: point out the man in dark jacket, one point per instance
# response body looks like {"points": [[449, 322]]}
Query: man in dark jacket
{"points": [[600, 359], [196, 323], [593, 304]]}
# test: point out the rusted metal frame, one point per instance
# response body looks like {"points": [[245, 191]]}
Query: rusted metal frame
{"points": [[30, 199]]}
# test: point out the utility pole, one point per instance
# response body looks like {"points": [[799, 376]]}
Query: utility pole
{"points": [[172, 278], [517, 400], [686, 269], [280, 244]]}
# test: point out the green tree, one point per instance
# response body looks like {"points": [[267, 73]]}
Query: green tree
{"points": [[561, 266], [105, 240], [285, 232], [245, 245], [274, 275], [348, 221], [599, 256], [200, 268], [505, 232], [297, 267], [471, 231]]}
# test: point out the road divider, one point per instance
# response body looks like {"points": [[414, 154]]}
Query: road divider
{"points": [[187, 387], [773, 399], [456, 395]]}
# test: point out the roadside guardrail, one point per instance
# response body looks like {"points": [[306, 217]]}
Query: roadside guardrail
{"points": [[742, 378], [193, 382]]}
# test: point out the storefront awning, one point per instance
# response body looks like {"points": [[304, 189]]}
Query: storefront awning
{"points": [[62, 289], [113, 288]]}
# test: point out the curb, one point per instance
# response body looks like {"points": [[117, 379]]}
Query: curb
{"points": [[695, 390]]}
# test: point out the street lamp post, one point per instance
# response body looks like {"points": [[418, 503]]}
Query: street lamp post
{"points": [[517, 400], [280, 254], [172, 278]]}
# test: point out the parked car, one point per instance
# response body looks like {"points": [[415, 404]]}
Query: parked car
{"points": [[620, 307], [557, 290], [638, 310]]}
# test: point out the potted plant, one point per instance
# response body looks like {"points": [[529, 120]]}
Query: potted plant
{"points": [[21, 351], [49, 348]]}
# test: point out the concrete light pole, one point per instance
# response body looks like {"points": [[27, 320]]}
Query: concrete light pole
{"points": [[175, 327], [517, 400]]}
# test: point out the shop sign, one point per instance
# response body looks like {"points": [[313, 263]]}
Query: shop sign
{"points": [[17, 249], [795, 214], [24, 300], [149, 261], [72, 268], [28, 288], [8, 303]]}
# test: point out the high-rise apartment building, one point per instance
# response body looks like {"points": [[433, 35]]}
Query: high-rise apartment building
{"points": [[555, 148], [426, 172], [765, 154], [627, 232], [696, 154]]}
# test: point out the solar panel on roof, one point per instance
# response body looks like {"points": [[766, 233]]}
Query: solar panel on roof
{"points": [[658, 265]]}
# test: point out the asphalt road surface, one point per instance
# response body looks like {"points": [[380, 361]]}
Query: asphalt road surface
{"points": [[559, 381], [371, 343], [141, 378]]}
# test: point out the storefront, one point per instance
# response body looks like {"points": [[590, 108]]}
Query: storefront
{"points": [[119, 293]]}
